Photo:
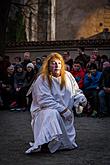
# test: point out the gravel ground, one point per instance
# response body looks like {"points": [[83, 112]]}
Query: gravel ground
{"points": [[93, 138]]}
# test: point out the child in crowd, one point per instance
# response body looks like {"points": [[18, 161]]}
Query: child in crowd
{"points": [[19, 85], [30, 75]]}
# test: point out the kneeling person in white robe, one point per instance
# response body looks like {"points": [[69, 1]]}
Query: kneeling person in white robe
{"points": [[54, 93]]}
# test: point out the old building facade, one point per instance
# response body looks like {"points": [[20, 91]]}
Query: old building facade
{"points": [[66, 20], [49, 20]]}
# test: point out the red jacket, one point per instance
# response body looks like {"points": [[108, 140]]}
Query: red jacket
{"points": [[79, 76]]}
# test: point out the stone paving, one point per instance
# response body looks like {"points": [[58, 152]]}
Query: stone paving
{"points": [[93, 138]]}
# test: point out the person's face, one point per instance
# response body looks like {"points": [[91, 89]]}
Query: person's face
{"points": [[93, 71], [10, 70], [55, 67], [38, 61], [26, 56], [29, 69], [66, 57], [34, 62], [80, 52], [43, 58], [93, 57], [19, 69], [16, 60], [76, 67]]}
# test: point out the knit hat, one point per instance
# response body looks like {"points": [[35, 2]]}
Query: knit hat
{"points": [[30, 65], [18, 66]]}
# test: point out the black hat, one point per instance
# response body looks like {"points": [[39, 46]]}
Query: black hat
{"points": [[18, 66], [92, 66]]}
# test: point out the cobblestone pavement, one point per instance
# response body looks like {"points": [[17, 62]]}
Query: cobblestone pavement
{"points": [[93, 138]]}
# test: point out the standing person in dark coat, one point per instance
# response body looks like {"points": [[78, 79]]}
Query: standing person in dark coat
{"points": [[68, 60], [27, 59], [82, 56]]}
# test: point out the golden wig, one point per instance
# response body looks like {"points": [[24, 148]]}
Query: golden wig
{"points": [[46, 73]]}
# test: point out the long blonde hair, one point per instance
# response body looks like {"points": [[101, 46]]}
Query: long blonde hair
{"points": [[46, 72]]}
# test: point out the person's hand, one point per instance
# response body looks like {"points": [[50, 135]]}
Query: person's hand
{"points": [[66, 114], [17, 89], [89, 75], [83, 101], [79, 109]]}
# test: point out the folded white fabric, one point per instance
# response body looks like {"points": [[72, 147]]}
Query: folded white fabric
{"points": [[80, 99], [54, 145]]}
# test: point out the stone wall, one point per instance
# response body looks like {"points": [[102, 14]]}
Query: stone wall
{"points": [[77, 19], [38, 49]]}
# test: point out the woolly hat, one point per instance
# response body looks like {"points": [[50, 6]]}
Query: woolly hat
{"points": [[18, 66], [30, 65]]}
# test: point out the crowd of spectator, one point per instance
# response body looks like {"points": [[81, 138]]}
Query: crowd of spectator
{"points": [[92, 73]]}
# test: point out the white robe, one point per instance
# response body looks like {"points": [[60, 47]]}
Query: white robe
{"points": [[47, 124]]}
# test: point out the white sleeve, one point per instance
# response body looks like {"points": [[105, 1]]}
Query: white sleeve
{"points": [[44, 97], [79, 97], [75, 87]]}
